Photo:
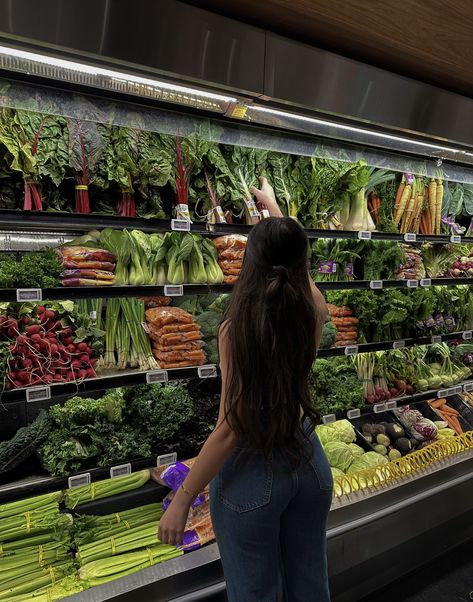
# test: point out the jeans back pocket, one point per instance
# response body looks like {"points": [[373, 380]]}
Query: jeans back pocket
{"points": [[245, 483]]}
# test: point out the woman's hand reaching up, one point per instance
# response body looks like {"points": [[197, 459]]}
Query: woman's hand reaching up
{"points": [[265, 198]]}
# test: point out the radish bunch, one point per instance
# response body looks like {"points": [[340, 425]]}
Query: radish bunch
{"points": [[44, 351]]}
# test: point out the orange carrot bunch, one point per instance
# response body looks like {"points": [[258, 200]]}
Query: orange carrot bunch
{"points": [[346, 323], [447, 414]]}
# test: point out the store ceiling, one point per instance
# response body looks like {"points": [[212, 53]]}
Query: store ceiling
{"points": [[430, 40]]}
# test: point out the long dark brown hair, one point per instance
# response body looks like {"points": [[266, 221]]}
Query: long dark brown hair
{"points": [[271, 324]]}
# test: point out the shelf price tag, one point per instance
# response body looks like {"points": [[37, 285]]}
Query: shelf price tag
{"points": [[29, 294], [467, 334], [166, 459], [265, 213], [399, 344], [412, 283], [173, 290], [456, 238], [351, 349], [93, 315], [120, 471], [329, 418], [180, 225], [437, 338], [353, 414], [378, 408], [443, 393], [157, 376], [362, 235], [391, 405], [425, 282], [79, 480], [376, 284], [468, 387], [207, 371], [410, 237], [38, 393]]}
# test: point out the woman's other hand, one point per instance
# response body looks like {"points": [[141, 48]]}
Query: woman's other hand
{"points": [[266, 199]]}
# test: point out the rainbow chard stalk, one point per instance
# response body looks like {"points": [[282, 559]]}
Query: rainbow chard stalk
{"points": [[182, 184], [85, 149], [216, 214]]}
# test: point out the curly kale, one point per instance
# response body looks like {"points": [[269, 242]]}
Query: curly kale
{"points": [[79, 411], [40, 269], [157, 411], [335, 386]]}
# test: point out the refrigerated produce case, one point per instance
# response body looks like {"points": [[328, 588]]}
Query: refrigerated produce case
{"points": [[391, 524]]}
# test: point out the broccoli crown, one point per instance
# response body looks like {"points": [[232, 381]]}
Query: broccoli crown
{"points": [[329, 335]]}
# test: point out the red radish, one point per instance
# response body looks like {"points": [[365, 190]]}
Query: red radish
{"points": [[409, 390], [71, 348], [93, 361], [82, 346], [53, 349], [66, 332], [91, 373], [37, 347], [70, 375], [68, 341], [49, 314], [41, 309], [25, 320], [27, 363], [33, 329], [84, 358], [57, 377], [12, 332], [76, 364], [82, 373]]}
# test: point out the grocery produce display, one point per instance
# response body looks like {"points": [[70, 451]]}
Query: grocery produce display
{"points": [[111, 365]]}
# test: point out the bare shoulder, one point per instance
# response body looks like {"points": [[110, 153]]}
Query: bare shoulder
{"points": [[319, 301]]}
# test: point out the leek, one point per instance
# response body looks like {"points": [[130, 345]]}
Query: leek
{"points": [[106, 488]]}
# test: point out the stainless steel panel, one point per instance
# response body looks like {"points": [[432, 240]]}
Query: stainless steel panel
{"points": [[164, 36], [301, 75]]}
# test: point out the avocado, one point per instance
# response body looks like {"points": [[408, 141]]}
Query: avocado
{"points": [[403, 444], [383, 440], [394, 431]]}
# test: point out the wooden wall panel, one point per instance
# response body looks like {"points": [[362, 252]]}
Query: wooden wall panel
{"points": [[430, 40]]}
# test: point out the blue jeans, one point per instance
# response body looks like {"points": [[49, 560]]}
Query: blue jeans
{"points": [[270, 521]]}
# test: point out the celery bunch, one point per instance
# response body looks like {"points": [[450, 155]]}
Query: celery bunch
{"points": [[106, 488], [108, 569]]}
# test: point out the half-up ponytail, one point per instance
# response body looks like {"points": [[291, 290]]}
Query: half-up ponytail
{"points": [[271, 339]]}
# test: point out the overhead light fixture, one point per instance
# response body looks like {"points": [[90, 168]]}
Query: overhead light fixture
{"points": [[52, 67], [285, 115]]}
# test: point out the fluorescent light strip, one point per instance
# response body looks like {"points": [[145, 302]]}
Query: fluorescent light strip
{"points": [[117, 75], [357, 130]]}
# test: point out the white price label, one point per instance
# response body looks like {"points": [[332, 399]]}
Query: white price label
{"points": [[442, 393], [437, 338], [410, 237], [351, 414], [351, 349], [412, 283], [180, 225], [456, 238], [157, 376], [468, 387], [378, 408], [29, 294], [391, 405], [467, 334], [120, 471], [329, 418], [425, 282], [265, 213], [207, 371], [362, 235], [252, 210], [173, 290], [166, 459], [79, 480], [38, 393], [399, 344], [376, 284], [93, 315]]}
